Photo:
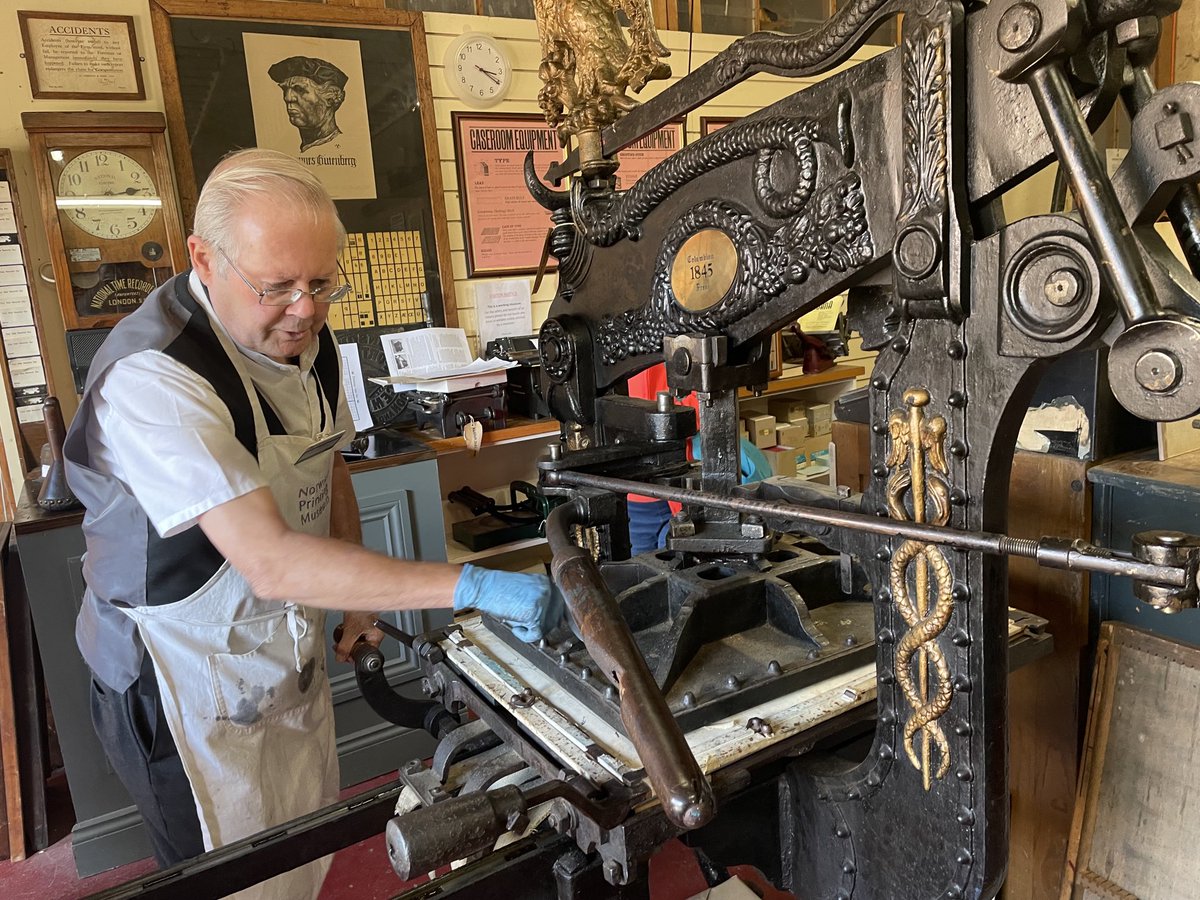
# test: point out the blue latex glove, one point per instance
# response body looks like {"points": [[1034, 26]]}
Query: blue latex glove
{"points": [[523, 602], [752, 462]]}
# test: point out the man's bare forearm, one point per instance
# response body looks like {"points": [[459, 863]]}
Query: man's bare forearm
{"points": [[338, 575], [286, 565]]}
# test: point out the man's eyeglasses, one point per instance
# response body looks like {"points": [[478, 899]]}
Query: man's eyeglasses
{"points": [[330, 293]]}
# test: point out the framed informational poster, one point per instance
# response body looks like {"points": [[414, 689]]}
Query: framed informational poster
{"points": [[709, 124], [504, 227], [80, 56], [344, 90], [647, 152]]}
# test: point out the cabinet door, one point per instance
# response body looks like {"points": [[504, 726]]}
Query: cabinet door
{"points": [[401, 516], [108, 830], [1123, 505]]}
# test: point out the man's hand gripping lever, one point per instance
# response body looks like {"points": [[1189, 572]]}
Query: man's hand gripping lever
{"points": [[680, 785], [1154, 367]]}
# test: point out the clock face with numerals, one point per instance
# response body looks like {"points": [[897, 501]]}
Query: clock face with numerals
{"points": [[113, 222], [107, 194], [478, 69]]}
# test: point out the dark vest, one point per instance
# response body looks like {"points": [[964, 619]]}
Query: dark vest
{"points": [[127, 563]]}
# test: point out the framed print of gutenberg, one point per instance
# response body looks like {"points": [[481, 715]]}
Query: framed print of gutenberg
{"points": [[344, 90], [81, 56]]}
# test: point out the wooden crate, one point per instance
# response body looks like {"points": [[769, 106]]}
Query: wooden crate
{"points": [[1136, 812]]}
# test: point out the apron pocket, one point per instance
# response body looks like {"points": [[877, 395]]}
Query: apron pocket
{"points": [[259, 685]]}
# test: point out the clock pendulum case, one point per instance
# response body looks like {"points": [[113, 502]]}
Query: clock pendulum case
{"points": [[112, 217]]}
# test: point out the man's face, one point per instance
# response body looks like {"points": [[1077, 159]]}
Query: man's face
{"points": [[307, 106], [274, 248]]}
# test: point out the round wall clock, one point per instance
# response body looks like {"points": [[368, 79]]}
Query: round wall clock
{"points": [[478, 69], [107, 174], [112, 220]]}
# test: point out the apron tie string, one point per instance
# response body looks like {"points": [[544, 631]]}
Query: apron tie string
{"points": [[297, 626]]}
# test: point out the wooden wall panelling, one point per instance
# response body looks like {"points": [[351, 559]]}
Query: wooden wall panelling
{"points": [[12, 830], [1047, 496], [26, 755]]}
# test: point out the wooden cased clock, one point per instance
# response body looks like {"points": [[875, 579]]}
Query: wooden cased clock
{"points": [[111, 211]]}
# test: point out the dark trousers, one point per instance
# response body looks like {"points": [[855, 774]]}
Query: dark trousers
{"points": [[137, 740], [648, 523]]}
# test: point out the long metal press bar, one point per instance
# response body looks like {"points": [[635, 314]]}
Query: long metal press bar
{"points": [[1056, 553]]}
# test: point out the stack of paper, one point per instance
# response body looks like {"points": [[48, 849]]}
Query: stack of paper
{"points": [[437, 360]]}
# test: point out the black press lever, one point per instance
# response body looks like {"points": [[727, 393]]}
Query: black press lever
{"points": [[383, 699]]}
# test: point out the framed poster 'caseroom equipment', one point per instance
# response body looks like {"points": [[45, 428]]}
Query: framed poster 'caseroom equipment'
{"points": [[112, 219]]}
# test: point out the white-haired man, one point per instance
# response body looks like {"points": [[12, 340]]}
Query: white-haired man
{"points": [[206, 453]]}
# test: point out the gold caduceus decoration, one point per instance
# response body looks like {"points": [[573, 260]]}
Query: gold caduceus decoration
{"points": [[918, 444]]}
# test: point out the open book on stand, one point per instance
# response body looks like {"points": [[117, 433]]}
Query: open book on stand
{"points": [[437, 360]]}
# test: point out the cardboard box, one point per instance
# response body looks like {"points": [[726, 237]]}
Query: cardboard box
{"points": [[791, 435], [762, 430], [853, 442], [820, 418], [733, 889], [819, 412], [782, 460], [811, 446], [787, 409]]}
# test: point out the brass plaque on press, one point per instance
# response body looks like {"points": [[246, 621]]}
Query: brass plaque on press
{"points": [[704, 269]]}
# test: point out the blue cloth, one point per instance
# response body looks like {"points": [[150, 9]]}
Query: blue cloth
{"points": [[752, 461], [648, 524], [523, 602]]}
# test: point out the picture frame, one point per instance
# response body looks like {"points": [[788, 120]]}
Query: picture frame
{"points": [[709, 124], [374, 144], [81, 56], [648, 151], [504, 227], [775, 358]]}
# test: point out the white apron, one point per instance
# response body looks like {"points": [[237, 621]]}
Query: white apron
{"points": [[243, 680]]}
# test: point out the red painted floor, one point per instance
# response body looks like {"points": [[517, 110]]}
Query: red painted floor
{"points": [[361, 872]]}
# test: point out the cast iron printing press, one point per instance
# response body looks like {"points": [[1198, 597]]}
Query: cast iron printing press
{"points": [[706, 688]]}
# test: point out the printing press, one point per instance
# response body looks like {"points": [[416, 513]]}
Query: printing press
{"points": [[807, 680]]}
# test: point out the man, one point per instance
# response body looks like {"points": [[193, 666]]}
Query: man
{"points": [[206, 452], [313, 91]]}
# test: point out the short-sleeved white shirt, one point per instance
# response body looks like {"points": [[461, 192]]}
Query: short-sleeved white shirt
{"points": [[163, 432]]}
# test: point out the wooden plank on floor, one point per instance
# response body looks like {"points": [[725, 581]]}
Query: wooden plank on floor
{"points": [[1138, 804]]}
